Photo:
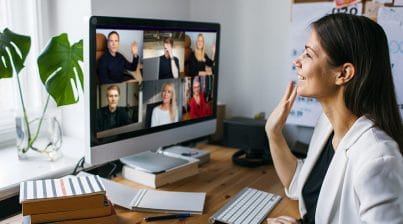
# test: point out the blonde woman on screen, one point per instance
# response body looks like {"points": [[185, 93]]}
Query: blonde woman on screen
{"points": [[167, 111], [200, 64]]}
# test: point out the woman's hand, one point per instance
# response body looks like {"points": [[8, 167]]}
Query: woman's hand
{"points": [[278, 117], [282, 220]]}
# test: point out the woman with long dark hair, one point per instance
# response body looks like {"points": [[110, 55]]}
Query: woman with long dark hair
{"points": [[353, 172]]}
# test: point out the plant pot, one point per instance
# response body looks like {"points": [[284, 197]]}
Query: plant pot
{"points": [[43, 136]]}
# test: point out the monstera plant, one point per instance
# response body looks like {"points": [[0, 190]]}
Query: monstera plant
{"points": [[59, 71]]}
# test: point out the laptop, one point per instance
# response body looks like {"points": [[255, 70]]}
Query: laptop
{"points": [[151, 68], [152, 162]]}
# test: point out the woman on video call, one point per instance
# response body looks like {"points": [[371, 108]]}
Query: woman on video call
{"points": [[353, 172], [167, 111], [200, 64], [198, 105]]}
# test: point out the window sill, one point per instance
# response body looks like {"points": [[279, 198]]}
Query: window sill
{"points": [[13, 171]]}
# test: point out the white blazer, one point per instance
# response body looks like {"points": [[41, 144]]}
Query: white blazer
{"points": [[364, 182]]}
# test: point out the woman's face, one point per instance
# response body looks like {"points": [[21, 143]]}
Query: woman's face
{"points": [[196, 89], [113, 98], [200, 42], [113, 43], [167, 94], [316, 78]]}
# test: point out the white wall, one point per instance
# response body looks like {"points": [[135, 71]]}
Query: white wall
{"points": [[253, 53], [157, 9]]}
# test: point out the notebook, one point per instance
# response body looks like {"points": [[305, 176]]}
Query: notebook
{"points": [[153, 200], [152, 162]]}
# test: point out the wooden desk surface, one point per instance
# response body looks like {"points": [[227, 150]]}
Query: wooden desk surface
{"points": [[220, 179]]}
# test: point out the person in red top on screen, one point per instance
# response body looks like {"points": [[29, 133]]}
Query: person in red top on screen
{"points": [[198, 104]]}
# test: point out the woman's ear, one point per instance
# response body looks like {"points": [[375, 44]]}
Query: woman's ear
{"points": [[345, 74]]}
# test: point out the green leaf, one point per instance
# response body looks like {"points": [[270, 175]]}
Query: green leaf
{"points": [[14, 49], [58, 65]]}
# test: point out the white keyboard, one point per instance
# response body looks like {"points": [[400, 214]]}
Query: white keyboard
{"points": [[248, 206]]}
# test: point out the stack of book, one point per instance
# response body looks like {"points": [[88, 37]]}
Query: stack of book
{"points": [[68, 200]]}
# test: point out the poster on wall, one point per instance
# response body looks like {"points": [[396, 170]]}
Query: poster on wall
{"points": [[391, 19], [306, 111]]}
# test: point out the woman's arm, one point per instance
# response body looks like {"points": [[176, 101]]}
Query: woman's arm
{"points": [[284, 161]]}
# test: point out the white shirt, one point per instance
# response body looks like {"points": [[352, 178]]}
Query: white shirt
{"points": [[161, 117], [364, 182]]}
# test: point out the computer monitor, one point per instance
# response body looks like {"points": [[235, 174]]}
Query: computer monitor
{"points": [[129, 114]]}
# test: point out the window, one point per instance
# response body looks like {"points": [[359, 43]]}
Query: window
{"points": [[20, 17]]}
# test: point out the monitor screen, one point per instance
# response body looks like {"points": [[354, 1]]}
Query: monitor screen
{"points": [[152, 83]]}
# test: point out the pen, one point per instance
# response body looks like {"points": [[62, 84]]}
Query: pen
{"points": [[164, 217]]}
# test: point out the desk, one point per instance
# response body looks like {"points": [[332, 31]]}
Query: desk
{"points": [[220, 179]]}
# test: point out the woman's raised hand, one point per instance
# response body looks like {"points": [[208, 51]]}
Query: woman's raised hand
{"points": [[278, 117]]}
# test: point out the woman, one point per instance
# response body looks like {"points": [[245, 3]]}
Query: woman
{"points": [[200, 64], [198, 105], [167, 111], [354, 168]]}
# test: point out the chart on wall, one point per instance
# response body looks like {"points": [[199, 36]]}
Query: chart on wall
{"points": [[391, 19], [305, 111]]}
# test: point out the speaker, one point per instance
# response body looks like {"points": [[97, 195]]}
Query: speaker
{"points": [[250, 137]]}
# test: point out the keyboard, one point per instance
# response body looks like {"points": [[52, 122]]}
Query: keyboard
{"points": [[248, 206]]}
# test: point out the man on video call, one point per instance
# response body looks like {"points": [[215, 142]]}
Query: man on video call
{"points": [[111, 116], [169, 64], [113, 66]]}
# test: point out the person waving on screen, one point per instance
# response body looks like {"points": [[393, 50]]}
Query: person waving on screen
{"points": [[113, 66]]}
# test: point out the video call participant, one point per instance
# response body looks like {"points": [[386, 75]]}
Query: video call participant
{"points": [[113, 66], [353, 172], [198, 105], [169, 64], [200, 64], [111, 116], [167, 111]]}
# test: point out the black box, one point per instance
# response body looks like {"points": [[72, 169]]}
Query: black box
{"points": [[248, 135]]}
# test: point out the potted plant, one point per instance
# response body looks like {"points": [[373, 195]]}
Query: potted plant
{"points": [[59, 71]]}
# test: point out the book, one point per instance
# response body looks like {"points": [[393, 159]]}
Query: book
{"points": [[202, 155], [105, 210], [153, 200], [168, 201], [63, 194], [112, 218], [156, 180]]}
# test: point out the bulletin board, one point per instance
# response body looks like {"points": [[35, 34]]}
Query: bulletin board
{"points": [[388, 14]]}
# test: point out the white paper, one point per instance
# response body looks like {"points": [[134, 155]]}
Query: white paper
{"points": [[384, 1], [391, 19], [398, 3], [305, 111]]}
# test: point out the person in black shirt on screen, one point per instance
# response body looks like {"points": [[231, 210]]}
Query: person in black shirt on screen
{"points": [[199, 63], [113, 66], [169, 64], [111, 116]]}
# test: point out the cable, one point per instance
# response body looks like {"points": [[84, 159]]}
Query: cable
{"points": [[79, 166]]}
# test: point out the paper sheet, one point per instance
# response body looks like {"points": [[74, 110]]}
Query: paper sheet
{"points": [[391, 19]]}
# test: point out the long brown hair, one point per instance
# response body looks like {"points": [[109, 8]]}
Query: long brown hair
{"points": [[362, 42]]}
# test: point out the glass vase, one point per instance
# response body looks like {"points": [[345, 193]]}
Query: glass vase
{"points": [[41, 136]]}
